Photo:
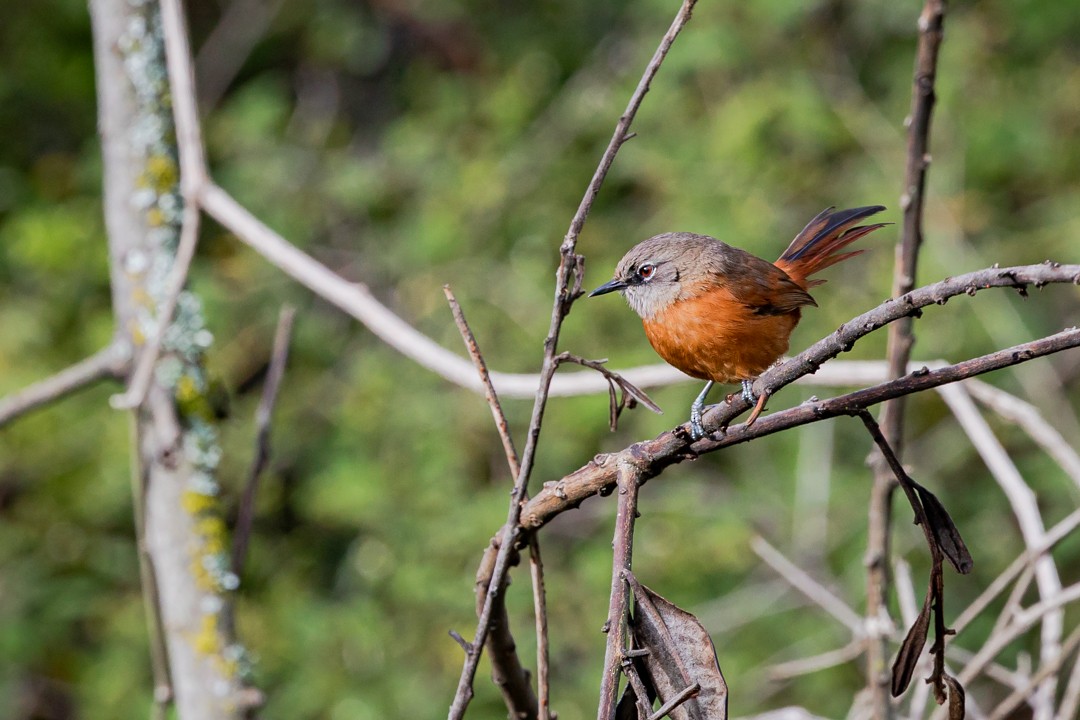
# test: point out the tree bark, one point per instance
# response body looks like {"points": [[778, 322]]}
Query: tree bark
{"points": [[177, 449]]}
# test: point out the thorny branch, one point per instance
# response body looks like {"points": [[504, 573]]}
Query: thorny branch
{"points": [[675, 446], [570, 269], [669, 448]]}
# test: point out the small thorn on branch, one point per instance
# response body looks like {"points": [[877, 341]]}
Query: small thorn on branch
{"points": [[465, 644]]}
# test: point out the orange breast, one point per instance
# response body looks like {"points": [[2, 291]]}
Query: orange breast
{"points": [[716, 337]]}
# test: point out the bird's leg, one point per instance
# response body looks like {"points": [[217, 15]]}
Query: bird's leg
{"points": [[696, 430], [748, 396], [748, 391]]}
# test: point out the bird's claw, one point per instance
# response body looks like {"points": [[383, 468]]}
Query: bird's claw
{"points": [[748, 391], [697, 431]]}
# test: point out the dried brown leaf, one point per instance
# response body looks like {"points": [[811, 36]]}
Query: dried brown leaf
{"points": [[943, 528], [956, 698], [908, 657], [681, 653]]}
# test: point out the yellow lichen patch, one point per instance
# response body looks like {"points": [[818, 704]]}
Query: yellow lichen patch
{"points": [[137, 335], [208, 640], [141, 297], [161, 173], [212, 531], [187, 390], [196, 503], [155, 218]]}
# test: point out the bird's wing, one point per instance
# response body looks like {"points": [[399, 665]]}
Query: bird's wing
{"points": [[763, 287]]}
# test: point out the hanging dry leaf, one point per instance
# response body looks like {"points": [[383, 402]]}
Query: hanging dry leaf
{"points": [[681, 653], [956, 698], [943, 528], [908, 657]]}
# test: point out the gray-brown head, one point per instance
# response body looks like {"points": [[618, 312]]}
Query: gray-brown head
{"points": [[667, 268]]}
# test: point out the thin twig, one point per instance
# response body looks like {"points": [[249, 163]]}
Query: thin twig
{"points": [[109, 362], [1070, 699], [815, 663], [485, 381], [543, 662], [278, 359], [159, 655], [809, 587], [665, 709], [569, 269], [193, 177], [901, 339], [619, 600], [521, 703]]}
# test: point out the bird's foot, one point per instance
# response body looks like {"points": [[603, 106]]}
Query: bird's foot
{"points": [[748, 391], [697, 430], [759, 401]]}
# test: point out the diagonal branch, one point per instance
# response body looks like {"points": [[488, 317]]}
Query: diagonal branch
{"points": [[669, 448], [109, 362]]}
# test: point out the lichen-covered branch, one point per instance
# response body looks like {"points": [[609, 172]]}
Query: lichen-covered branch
{"points": [[177, 450]]}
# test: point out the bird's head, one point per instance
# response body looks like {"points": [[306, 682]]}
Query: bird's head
{"points": [[664, 269]]}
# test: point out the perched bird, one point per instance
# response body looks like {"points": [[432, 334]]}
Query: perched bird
{"points": [[723, 315]]}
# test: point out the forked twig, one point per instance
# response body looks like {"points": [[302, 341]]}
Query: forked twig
{"points": [[630, 393], [570, 267]]}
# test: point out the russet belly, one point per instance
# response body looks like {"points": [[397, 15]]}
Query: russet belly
{"points": [[715, 337]]}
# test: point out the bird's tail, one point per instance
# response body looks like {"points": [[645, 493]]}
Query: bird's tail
{"points": [[819, 244]]}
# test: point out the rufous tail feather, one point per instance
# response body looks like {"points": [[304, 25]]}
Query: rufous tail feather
{"points": [[819, 244]]}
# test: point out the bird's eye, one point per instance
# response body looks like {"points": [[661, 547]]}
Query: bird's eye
{"points": [[646, 271]]}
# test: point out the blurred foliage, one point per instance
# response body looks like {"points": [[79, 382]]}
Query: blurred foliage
{"points": [[409, 144]]}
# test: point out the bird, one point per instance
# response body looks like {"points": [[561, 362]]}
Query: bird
{"points": [[721, 314]]}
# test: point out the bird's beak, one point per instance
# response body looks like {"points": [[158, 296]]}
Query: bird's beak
{"points": [[610, 286]]}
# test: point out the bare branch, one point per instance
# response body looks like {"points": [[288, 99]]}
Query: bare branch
{"points": [[619, 600], [1055, 535], [672, 447], [815, 663], [278, 358], [1028, 417], [809, 587], [108, 363], [1046, 670]]}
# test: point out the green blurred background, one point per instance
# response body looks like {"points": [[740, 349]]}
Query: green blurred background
{"points": [[409, 143]]}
